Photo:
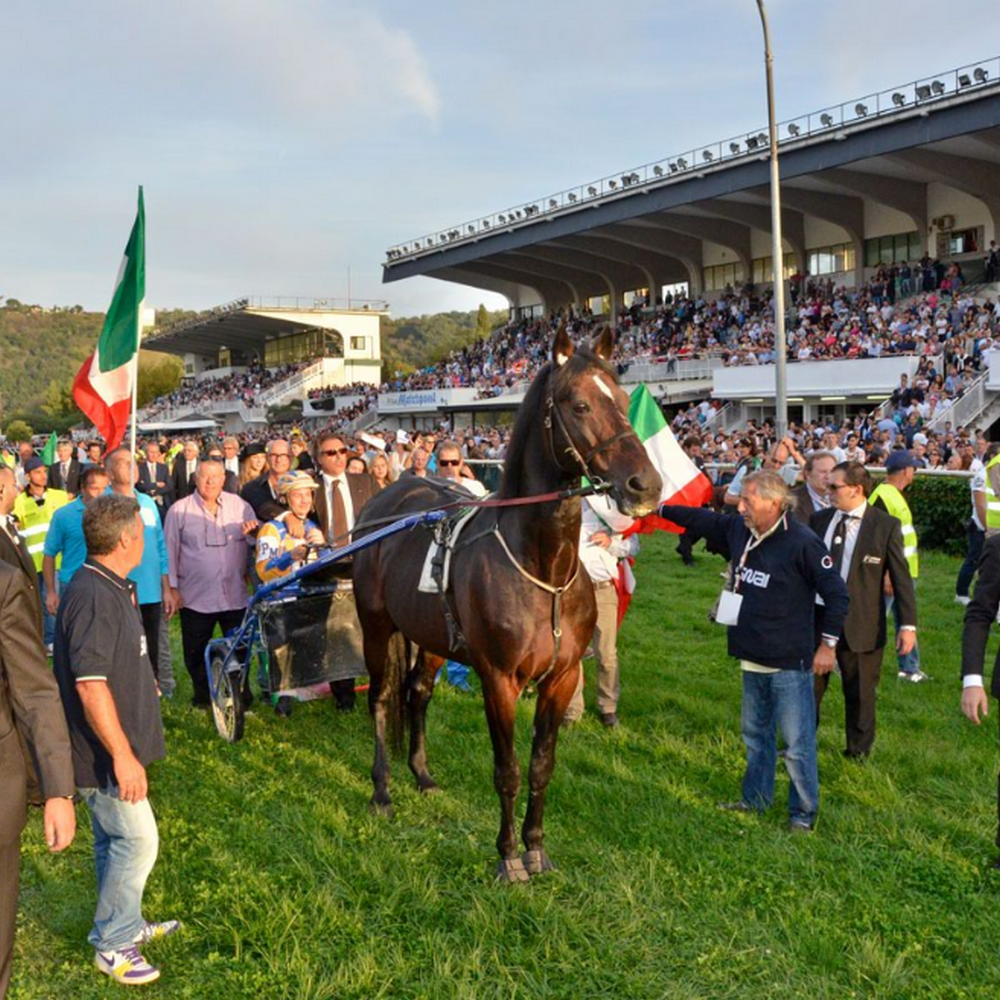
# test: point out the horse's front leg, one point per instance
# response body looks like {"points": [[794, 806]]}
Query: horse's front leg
{"points": [[500, 693], [554, 694]]}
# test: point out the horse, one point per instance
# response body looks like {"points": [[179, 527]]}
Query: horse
{"points": [[520, 608]]}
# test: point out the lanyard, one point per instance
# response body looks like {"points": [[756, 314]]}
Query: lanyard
{"points": [[751, 544]]}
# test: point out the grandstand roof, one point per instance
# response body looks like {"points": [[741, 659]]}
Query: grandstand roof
{"points": [[248, 323], [648, 226]]}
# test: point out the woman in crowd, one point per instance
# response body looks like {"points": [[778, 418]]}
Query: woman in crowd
{"points": [[379, 471], [253, 463]]}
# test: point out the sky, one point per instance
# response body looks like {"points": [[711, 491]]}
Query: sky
{"points": [[283, 144]]}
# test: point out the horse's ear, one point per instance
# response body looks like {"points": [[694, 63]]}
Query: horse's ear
{"points": [[562, 346], [604, 344]]}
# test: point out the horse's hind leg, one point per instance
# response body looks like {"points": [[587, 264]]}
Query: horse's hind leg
{"points": [[420, 693], [376, 655], [500, 700], [554, 695]]}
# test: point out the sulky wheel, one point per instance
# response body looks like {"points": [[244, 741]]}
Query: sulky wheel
{"points": [[227, 700]]}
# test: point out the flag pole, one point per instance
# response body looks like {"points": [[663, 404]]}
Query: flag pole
{"points": [[138, 339]]}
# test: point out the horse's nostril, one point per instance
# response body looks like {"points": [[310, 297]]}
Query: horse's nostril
{"points": [[636, 485]]}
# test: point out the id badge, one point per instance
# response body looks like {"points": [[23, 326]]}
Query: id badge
{"points": [[728, 611]]}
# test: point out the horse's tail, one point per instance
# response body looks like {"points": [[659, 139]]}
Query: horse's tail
{"points": [[396, 679]]}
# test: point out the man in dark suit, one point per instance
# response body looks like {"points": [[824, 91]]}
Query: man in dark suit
{"points": [[813, 495], [262, 493], [339, 501], [980, 615], [182, 474], [231, 481], [154, 478], [866, 545], [29, 706], [64, 472]]}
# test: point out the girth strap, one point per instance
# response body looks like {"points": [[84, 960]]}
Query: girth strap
{"points": [[557, 596]]}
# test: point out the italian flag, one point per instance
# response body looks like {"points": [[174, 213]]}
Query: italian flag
{"points": [[683, 483], [103, 386]]}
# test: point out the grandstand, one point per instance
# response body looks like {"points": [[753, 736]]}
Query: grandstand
{"points": [[255, 353]]}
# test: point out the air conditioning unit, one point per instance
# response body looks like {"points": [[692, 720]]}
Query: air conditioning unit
{"points": [[944, 222]]}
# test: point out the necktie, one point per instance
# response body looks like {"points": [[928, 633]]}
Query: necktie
{"points": [[65, 472], [338, 522], [837, 543]]}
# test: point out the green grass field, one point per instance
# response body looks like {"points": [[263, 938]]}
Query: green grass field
{"points": [[289, 889]]}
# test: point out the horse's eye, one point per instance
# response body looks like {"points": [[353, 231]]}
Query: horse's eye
{"points": [[581, 408]]}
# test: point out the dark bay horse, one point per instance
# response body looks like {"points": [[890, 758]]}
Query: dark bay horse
{"points": [[521, 605]]}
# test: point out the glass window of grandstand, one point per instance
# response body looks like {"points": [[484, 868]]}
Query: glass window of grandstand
{"points": [[302, 347], [965, 240], [721, 275], [358, 343], [831, 260], [637, 297], [893, 249], [763, 269]]}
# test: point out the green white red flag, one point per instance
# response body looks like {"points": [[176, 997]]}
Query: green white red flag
{"points": [[683, 482], [103, 386]]}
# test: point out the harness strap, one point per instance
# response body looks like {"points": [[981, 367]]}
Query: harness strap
{"points": [[557, 596]]}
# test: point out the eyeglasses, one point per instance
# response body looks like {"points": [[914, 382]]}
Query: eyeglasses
{"points": [[332, 452], [838, 486], [449, 461]]}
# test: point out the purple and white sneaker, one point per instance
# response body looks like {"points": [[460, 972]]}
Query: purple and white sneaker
{"points": [[126, 966], [156, 932]]}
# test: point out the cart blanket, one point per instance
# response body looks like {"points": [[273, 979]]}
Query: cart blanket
{"points": [[313, 637]]}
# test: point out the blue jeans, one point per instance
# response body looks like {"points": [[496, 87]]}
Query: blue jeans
{"points": [[977, 539], [783, 699], [910, 662], [125, 847], [48, 621]]}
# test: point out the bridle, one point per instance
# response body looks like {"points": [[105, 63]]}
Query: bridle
{"points": [[553, 417]]}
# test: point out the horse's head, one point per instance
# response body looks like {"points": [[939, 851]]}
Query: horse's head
{"points": [[587, 423]]}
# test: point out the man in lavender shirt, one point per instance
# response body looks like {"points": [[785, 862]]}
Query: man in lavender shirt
{"points": [[209, 542]]}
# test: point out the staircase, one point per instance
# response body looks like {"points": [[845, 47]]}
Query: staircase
{"points": [[979, 406]]}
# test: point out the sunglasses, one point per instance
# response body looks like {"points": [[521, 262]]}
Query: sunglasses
{"points": [[449, 461], [331, 452]]}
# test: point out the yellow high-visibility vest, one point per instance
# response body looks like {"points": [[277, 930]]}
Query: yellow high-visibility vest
{"points": [[895, 504], [33, 519]]}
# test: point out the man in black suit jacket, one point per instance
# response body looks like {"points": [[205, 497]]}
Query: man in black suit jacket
{"points": [[154, 478], [64, 472], [29, 706], [866, 544], [980, 615], [331, 465], [813, 495], [182, 474]]}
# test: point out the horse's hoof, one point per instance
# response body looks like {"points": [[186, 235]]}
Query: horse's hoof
{"points": [[536, 862], [380, 809], [428, 786], [512, 870]]}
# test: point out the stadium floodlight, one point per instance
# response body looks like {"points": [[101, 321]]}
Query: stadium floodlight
{"points": [[793, 130], [553, 203], [734, 147], [923, 92], [472, 229], [612, 185], [626, 180], [938, 87], [899, 99], [751, 142], [635, 177], [826, 120], [762, 139], [502, 218], [592, 191], [416, 246], [706, 155], [861, 110], [673, 168], [964, 80], [682, 163], [980, 75], [657, 171], [486, 223], [517, 212], [571, 197]]}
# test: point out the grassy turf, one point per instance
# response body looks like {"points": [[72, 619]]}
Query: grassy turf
{"points": [[289, 889]]}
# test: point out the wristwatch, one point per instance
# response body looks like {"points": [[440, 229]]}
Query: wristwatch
{"points": [[829, 642]]}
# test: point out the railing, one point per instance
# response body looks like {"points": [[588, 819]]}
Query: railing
{"points": [[307, 303], [965, 409], [910, 98]]}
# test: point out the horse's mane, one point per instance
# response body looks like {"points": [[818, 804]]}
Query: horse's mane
{"points": [[530, 413]]}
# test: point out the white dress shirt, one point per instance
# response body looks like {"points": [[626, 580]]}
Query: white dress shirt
{"points": [[854, 518]]}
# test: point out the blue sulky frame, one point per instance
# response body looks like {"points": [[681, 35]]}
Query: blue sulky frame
{"points": [[227, 660]]}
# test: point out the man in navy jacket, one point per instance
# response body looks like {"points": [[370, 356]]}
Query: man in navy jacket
{"points": [[778, 568]]}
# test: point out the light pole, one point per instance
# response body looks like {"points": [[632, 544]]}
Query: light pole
{"points": [[777, 251]]}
